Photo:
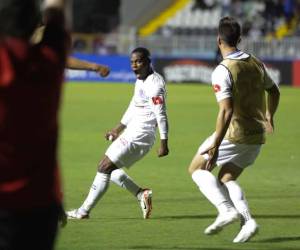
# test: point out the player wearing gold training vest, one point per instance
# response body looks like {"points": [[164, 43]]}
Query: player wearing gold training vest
{"points": [[249, 80], [240, 83]]}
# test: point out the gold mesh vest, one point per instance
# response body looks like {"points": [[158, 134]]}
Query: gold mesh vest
{"points": [[249, 101]]}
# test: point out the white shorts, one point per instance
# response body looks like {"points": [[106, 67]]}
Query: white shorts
{"points": [[130, 147], [242, 155]]}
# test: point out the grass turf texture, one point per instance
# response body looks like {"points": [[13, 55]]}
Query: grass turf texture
{"points": [[180, 212]]}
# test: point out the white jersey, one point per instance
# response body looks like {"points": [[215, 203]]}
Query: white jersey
{"points": [[147, 109]]}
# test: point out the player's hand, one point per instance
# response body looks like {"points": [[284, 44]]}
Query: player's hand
{"points": [[102, 70], [111, 135], [213, 153], [163, 149], [115, 132], [269, 126], [162, 152]]}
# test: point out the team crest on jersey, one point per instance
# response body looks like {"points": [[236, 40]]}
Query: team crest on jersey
{"points": [[157, 100], [216, 87], [142, 93]]}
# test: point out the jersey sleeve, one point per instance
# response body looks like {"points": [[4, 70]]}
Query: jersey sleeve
{"points": [[221, 82], [129, 113], [268, 81], [158, 106]]}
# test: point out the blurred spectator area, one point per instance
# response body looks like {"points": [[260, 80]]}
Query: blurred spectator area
{"points": [[94, 16], [96, 25], [270, 28], [270, 18], [259, 18]]}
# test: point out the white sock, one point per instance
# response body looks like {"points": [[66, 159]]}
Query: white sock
{"points": [[238, 198], [120, 178], [212, 189], [97, 190], [140, 194]]}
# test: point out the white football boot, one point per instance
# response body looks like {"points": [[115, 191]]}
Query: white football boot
{"points": [[221, 221], [77, 215], [249, 229], [145, 200]]}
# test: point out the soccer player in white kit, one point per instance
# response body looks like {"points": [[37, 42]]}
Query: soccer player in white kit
{"points": [[133, 137], [240, 82]]}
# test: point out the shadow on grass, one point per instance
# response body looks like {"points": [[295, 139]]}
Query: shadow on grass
{"points": [[175, 247], [180, 217], [245, 247], [277, 216], [209, 216], [278, 239]]}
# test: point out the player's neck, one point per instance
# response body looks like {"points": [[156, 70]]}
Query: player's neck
{"points": [[226, 51], [147, 73]]}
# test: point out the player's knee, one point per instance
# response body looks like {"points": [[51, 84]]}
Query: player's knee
{"points": [[195, 165], [106, 166], [229, 172], [191, 169], [225, 178], [105, 169]]}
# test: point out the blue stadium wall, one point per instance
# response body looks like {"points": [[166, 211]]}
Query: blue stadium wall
{"points": [[120, 69], [178, 69]]}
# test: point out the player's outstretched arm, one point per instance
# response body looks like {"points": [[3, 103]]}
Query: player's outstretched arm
{"points": [[74, 63]]}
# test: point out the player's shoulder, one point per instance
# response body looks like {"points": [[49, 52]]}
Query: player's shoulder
{"points": [[257, 60], [157, 79], [221, 69]]}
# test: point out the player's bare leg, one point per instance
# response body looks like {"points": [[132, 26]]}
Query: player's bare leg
{"points": [[97, 190], [213, 191], [228, 175]]}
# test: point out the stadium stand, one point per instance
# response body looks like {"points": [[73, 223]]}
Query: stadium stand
{"points": [[181, 34], [188, 27], [95, 17], [259, 18]]}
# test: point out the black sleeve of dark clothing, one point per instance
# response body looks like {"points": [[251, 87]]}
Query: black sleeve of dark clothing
{"points": [[55, 34]]}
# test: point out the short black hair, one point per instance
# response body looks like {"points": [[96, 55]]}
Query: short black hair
{"points": [[144, 52], [229, 31], [18, 18]]}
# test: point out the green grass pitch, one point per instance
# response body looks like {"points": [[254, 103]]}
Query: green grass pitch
{"points": [[180, 212]]}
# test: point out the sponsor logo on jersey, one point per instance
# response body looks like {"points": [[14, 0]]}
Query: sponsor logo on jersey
{"points": [[216, 87], [157, 100]]}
